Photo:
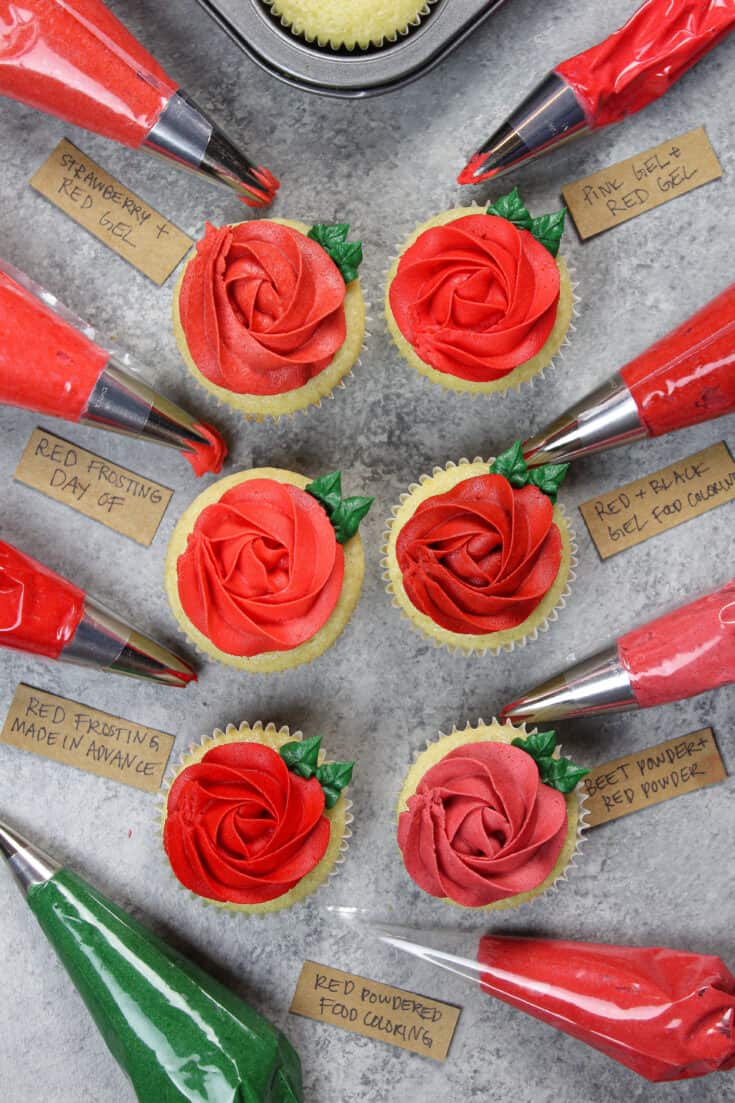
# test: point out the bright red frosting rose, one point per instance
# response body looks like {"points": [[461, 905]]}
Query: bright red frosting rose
{"points": [[481, 557], [482, 826], [262, 570], [261, 306], [241, 827], [476, 297]]}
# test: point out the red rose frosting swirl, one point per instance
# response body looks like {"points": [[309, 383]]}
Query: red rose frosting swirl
{"points": [[476, 297], [241, 828], [261, 306], [482, 826], [262, 570], [480, 558]]}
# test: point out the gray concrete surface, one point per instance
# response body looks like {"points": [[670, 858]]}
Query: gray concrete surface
{"points": [[665, 875]]}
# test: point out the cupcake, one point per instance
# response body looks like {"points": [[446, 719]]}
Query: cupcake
{"points": [[256, 819], [479, 557], [479, 301], [490, 817], [349, 23], [269, 315], [264, 568]]}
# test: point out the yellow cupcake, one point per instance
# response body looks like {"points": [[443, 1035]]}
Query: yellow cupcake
{"points": [[522, 830], [350, 23], [525, 369], [443, 481], [257, 406], [193, 573], [222, 873]]}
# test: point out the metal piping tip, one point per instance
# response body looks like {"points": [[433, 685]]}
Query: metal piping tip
{"points": [[30, 865], [185, 134], [550, 115], [607, 418], [596, 685], [105, 642], [124, 403]]}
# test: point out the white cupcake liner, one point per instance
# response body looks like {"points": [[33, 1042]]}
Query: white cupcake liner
{"points": [[468, 648], [325, 43], [579, 791], [511, 385], [196, 750]]}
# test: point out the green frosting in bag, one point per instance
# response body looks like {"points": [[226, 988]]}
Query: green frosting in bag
{"points": [[177, 1033]]}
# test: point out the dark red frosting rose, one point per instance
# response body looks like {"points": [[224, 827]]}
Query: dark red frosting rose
{"points": [[481, 557], [261, 306], [476, 297], [241, 827], [482, 826], [262, 570]]}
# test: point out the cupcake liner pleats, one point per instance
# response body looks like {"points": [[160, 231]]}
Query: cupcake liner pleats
{"points": [[349, 24]]}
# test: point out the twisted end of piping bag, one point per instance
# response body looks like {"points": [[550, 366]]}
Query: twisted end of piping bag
{"points": [[177, 1033]]}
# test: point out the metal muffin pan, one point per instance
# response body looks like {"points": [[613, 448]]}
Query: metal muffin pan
{"points": [[344, 73]]}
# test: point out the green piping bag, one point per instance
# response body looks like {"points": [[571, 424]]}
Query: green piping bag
{"points": [[177, 1033]]}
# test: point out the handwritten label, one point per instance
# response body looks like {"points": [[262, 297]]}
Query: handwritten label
{"points": [[375, 1010], [622, 518], [121, 499], [623, 191], [112, 212], [80, 736], [653, 775]]}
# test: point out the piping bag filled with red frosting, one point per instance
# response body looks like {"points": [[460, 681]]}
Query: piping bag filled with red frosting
{"points": [[666, 1014], [75, 60], [685, 378], [44, 614], [636, 65], [53, 363], [681, 654]]}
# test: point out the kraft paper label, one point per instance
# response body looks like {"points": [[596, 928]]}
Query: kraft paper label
{"points": [[375, 1010], [121, 499], [622, 518], [616, 194], [77, 735], [123, 221], [653, 775]]}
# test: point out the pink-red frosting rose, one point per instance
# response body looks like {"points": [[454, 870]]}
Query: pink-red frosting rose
{"points": [[479, 558], [262, 308], [476, 297], [482, 826], [262, 570], [241, 828]]}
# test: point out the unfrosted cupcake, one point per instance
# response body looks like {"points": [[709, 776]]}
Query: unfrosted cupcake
{"points": [[350, 23], [269, 315], [255, 819], [478, 556], [264, 569], [478, 300], [490, 817]]}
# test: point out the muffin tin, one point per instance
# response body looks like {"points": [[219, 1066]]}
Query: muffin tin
{"points": [[343, 73]]}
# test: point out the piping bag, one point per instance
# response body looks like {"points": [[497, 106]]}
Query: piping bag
{"points": [[636, 65], [666, 1014], [178, 1034], [75, 60], [679, 655], [54, 363], [44, 614], [685, 378]]}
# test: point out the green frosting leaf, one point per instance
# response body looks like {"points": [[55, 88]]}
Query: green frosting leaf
{"points": [[332, 237], [333, 778], [558, 773], [547, 228], [512, 466], [512, 208], [302, 755], [344, 513], [548, 478]]}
